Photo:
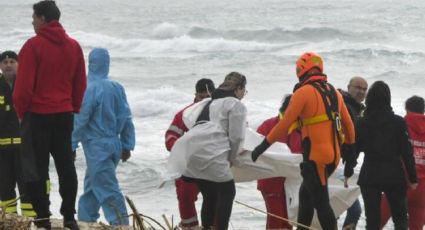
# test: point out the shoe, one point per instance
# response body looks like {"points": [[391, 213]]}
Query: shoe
{"points": [[71, 224]]}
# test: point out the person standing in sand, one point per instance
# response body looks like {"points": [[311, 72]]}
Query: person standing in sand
{"points": [[49, 88]]}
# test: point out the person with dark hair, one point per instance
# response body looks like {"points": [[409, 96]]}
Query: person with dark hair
{"points": [[46, 10], [415, 104], [273, 189], [383, 138], [415, 120], [106, 130], [353, 98], [187, 192], [211, 146], [49, 88], [10, 141], [318, 109]]}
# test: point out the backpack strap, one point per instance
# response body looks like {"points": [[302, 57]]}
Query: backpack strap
{"points": [[204, 116]]}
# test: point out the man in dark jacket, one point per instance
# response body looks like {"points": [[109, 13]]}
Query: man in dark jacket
{"points": [[49, 88], [10, 141], [353, 98]]}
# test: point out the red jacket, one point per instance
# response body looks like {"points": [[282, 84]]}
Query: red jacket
{"points": [[176, 130], [294, 143], [416, 126], [51, 76]]}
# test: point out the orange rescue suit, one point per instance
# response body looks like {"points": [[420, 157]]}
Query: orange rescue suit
{"points": [[307, 102]]}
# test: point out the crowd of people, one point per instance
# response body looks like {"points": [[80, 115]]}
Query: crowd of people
{"points": [[48, 105]]}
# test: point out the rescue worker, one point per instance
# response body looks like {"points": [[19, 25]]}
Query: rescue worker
{"points": [[353, 98], [10, 141], [213, 144], [187, 192], [106, 131], [415, 120], [319, 110], [49, 89], [273, 189]]}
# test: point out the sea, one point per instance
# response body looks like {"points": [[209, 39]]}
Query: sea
{"points": [[160, 48]]}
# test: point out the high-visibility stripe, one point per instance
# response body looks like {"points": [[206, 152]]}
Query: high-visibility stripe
{"points": [[7, 203], [169, 137], [319, 119], [29, 213], [10, 141], [16, 140], [176, 129], [47, 187], [189, 220], [308, 121], [26, 206], [11, 209]]}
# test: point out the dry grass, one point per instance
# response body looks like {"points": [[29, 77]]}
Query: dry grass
{"points": [[14, 221]]}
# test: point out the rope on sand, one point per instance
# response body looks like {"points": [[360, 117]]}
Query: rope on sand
{"points": [[275, 216]]}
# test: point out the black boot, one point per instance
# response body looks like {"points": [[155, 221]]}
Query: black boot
{"points": [[45, 224], [71, 224]]}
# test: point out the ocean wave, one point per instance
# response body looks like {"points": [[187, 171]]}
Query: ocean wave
{"points": [[163, 101], [373, 53], [393, 56], [272, 35], [177, 45]]}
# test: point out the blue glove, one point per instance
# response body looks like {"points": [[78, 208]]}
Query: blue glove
{"points": [[260, 149]]}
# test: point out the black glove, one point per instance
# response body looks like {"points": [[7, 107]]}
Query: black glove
{"points": [[349, 158], [260, 149], [349, 154], [348, 171]]}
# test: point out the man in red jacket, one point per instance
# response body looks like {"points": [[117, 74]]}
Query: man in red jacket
{"points": [[415, 120], [273, 189], [187, 192], [49, 88]]}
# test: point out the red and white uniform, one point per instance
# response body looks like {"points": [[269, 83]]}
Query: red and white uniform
{"points": [[273, 189], [187, 193], [415, 198]]}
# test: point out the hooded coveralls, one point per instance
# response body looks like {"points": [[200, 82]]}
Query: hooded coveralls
{"points": [[105, 128]]}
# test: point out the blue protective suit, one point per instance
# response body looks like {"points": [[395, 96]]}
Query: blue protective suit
{"points": [[104, 127]]}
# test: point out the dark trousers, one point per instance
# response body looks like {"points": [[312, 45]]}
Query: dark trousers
{"points": [[315, 196], [217, 203], [10, 176], [51, 134], [353, 214], [397, 199]]}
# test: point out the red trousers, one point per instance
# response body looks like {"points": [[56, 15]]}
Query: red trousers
{"points": [[276, 204], [415, 205], [187, 194]]}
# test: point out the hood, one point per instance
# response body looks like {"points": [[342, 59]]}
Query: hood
{"points": [[54, 32], [98, 64], [416, 122]]}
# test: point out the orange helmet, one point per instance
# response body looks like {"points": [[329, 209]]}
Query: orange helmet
{"points": [[307, 61]]}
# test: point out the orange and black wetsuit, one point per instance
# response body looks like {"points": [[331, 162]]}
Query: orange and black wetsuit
{"points": [[319, 111], [320, 141]]}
